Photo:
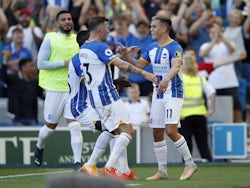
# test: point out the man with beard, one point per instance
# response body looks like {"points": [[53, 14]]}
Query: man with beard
{"points": [[33, 35], [54, 55]]}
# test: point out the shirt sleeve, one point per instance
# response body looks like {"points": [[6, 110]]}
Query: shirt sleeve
{"points": [[73, 79], [43, 56], [209, 89], [105, 54], [176, 52]]}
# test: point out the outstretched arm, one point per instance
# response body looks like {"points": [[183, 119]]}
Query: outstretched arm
{"points": [[129, 68], [230, 59]]}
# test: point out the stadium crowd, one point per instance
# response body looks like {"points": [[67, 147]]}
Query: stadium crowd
{"points": [[212, 29], [129, 25]]}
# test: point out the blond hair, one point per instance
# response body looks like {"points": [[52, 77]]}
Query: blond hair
{"points": [[189, 66]]}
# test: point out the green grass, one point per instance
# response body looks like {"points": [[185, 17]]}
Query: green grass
{"points": [[207, 176]]}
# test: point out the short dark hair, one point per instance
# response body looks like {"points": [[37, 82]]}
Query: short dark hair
{"points": [[17, 29], [82, 36], [164, 20], [23, 62], [93, 23], [62, 12]]}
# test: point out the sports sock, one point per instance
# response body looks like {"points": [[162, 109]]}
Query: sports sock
{"points": [[160, 149], [182, 148], [44, 133], [122, 163], [120, 145], [100, 146], [76, 140]]}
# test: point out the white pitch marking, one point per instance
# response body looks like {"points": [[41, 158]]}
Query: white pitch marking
{"points": [[34, 174]]}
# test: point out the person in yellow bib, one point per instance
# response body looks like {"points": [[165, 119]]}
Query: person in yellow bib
{"points": [[194, 112], [54, 55]]}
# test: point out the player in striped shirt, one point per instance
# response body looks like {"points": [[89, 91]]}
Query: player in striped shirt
{"points": [[96, 58], [165, 55]]}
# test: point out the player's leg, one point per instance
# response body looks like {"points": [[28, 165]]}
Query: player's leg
{"points": [[100, 146], [159, 145], [76, 139], [90, 118], [116, 119], [122, 168], [75, 142], [172, 118], [53, 108]]}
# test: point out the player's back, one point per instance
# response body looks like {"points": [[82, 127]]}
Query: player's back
{"points": [[95, 58]]}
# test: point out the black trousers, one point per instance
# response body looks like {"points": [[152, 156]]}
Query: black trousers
{"points": [[197, 126]]}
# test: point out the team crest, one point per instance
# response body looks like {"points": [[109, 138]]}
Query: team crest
{"points": [[108, 52], [178, 53]]}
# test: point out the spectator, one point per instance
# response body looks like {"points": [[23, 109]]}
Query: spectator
{"points": [[10, 10], [138, 108], [32, 34], [224, 78], [199, 31], [48, 20], [3, 31], [15, 51], [142, 41], [205, 68], [234, 33], [75, 10], [179, 24], [246, 31], [151, 7], [194, 113], [23, 92], [90, 9]]}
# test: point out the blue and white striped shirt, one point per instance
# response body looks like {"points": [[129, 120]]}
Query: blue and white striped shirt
{"points": [[95, 58]]}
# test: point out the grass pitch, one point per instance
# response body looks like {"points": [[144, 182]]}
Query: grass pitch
{"points": [[207, 176]]}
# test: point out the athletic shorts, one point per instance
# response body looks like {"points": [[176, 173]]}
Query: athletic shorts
{"points": [[165, 111], [56, 104], [88, 118], [113, 115], [234, 92]]}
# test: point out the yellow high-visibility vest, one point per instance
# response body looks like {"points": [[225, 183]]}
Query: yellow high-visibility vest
{"points": [[62, 49], [194, 103]]}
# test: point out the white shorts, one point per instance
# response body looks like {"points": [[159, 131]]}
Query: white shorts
{"points": [[55, 104], [165, 111], [113, 115], [88, 118]]}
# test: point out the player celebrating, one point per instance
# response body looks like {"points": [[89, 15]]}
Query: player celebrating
{"points": [[96, 57], [53, 58], [166, 57]]}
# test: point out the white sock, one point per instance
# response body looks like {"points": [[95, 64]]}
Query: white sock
{"points": [[120, 145], [160, 149], [182, 148], [100, 146], [44, 133], [112, 142], [76, 140], [122, 163]]}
